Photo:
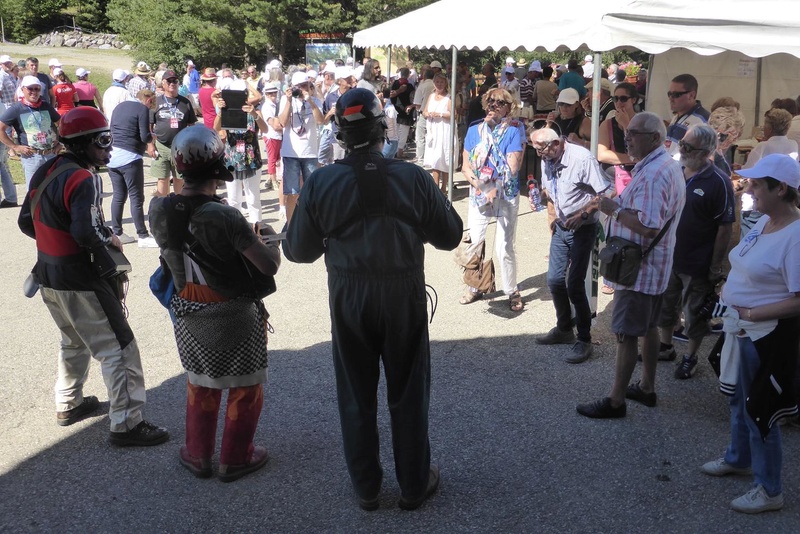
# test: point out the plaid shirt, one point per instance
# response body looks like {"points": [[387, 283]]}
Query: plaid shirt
{"points": [[657, 192], [136, 84], [8, 87]]}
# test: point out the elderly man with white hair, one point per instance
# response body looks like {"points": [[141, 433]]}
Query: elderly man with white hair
{"points": [[643, 212]]}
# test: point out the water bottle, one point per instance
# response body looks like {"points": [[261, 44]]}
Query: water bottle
{"points": [[534, 194]]}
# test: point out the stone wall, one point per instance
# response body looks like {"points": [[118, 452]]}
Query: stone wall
{"points": [[78, 39]]}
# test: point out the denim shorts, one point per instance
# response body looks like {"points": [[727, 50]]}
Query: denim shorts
{"points": [[295, 172], [635, 313]]}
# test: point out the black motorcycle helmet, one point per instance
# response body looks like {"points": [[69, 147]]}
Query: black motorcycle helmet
{"points": [[359, 118]]}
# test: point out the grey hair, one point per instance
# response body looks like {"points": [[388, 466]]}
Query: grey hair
{"points": [[705, 137], [650, 122], [545, 135]]}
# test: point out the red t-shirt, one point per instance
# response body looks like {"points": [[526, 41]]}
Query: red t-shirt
{"points": [[65, 99]]}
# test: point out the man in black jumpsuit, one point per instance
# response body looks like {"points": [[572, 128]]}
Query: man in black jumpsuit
{"points": [[371, 218]]}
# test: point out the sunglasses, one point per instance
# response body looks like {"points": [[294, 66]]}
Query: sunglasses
{"points": [[103, 140], [34, 89], [676, 94], [722, 137], [686, 147], [622, 98], [496, 103], [172, 81], [629, 133]]}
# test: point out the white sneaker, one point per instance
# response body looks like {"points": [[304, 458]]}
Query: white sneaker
{"points": [[125, 239], [148, 242], [720, 468], [756, 501]]}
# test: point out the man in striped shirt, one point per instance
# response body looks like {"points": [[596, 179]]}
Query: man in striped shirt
{"points": [[654, 197]]}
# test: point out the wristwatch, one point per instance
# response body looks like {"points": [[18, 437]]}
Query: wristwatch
{"points": [[616, 212]]}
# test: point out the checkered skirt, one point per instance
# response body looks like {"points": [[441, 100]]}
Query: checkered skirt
{"points": [[221, 339]]}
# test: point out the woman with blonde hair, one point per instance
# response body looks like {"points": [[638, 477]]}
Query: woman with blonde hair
{"points": [[438, 136], [729, 123], [492, 159]]}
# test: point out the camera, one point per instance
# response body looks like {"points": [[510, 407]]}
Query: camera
{"points": [[296, 92], [706, 310]]}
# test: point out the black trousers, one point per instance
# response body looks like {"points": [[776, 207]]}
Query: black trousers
{"points": [[382, 319], [128, 180]]}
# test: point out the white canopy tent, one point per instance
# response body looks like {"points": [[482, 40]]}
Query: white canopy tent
{"points": [[679, 32]]}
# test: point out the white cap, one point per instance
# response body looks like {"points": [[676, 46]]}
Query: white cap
{"points": [[80, 72], [568, 96], [274, 64], [30, 81], [190, 63], [312, 74], [119, 75], [330, 66], [342, 72], [561, 68], [272, 87], [509, 59], [5, 59], [57, 71], [778, 166], [54, 63], [588, 57], [436, 65], [299, 77]]}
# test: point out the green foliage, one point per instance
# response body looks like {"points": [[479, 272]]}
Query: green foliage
{"points": [[90, 15], [208, 31], [24, 19]]}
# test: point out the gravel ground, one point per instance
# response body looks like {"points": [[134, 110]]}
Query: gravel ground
{"points": [[514, 455]]}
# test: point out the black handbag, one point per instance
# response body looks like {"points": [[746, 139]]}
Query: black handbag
{"points": [[621, 259]]}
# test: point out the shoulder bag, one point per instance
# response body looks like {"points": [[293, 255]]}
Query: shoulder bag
{"points": [[621, 259]]}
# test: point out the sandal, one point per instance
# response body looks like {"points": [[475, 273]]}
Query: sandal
{"points": [[515, 302], [470, 297]]}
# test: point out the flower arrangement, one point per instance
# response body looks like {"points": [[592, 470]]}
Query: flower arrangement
{"points": [[631, 68]]}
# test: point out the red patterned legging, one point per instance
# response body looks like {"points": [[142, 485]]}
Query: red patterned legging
{"points": [[241, 419]]}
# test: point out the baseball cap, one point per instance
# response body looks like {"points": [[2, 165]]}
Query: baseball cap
{"points": [[342, 72], [605, 85], [781, 167], [299, 77], [54, 63], [57, 71], [561, 68], [535, 66], [80, 72], [509, 59], [5, 59], [588, 57], [190, 63], [30, 81], [508, 70], [436, 65], [568, 96], [119, 75], [168, 74], [312, 74]]}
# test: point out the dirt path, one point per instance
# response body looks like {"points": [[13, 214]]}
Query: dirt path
{"points": [[87, 57]]}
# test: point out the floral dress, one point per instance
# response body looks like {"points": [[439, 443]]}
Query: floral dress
{"points": [[242, 153]]}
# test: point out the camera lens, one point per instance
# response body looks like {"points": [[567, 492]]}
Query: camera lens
{"points": [[296, 92]]}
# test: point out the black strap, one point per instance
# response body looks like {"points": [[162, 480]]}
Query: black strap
{"points": [[658, 238], [48, 180]]}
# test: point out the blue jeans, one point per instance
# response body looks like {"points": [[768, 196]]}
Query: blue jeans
{"points": [[571, 249], [31, 163], [293, 170], [746, 447], [9, 189]]}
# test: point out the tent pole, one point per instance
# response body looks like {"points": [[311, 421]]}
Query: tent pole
{"points": [[453, 129], [758, 90], [596, 102], [389, 66]]}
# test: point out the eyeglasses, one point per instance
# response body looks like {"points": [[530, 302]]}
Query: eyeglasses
{"points": [[34, 89], [686, 147], [540, 149], [172, 81], [622, 98], [103, 140], [630, 133], [676, 94], [496, 103], [722, 137]]}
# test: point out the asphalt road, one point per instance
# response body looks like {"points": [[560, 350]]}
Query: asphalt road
{"points": [[514, 455]]}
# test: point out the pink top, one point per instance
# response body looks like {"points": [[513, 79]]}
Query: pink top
{"points": [[85, 90]]}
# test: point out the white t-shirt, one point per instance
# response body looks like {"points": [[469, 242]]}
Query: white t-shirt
{"points": [[422, 92], [300, 136], [391, 121], [777, 144], [113, 97], [269, 109], [765, 268]]}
